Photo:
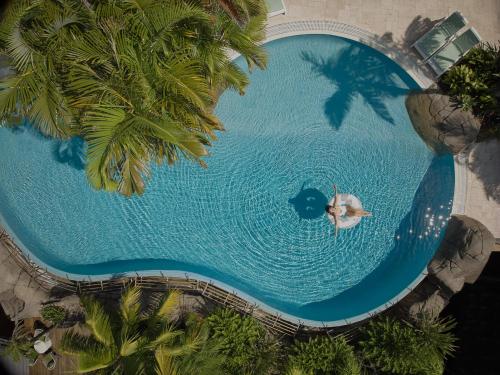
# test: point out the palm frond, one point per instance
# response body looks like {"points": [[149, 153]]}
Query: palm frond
{"points": [[129, 345], [98, 321], [129, 305], [165, 364], [166, 337], [181, 350], [169, 304]]}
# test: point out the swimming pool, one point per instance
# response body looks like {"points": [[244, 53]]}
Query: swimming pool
{"points": [[327, 110]]}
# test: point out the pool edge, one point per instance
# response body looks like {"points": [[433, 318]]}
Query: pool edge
{"points": [[277, 32]]}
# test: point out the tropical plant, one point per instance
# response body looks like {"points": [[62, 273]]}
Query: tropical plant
{"points": [[437, 334], [132, 340], [137, 80], [474, 84], [244, 342], [402, 348], [324, 356], [294, 370], [53, 313], [240, 10], [20, 345]]}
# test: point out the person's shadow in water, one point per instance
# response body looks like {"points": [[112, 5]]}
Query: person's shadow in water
{"points": [[309, 203]]}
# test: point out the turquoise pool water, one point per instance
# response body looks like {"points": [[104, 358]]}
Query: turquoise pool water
{"points": [[327, 110]]}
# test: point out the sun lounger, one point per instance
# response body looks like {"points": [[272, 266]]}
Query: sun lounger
{"points": [[449, 55], [49, 361], [275, 7], [439, 35]]}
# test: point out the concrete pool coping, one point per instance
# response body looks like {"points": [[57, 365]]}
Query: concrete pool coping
{"points": [[277, 32]]}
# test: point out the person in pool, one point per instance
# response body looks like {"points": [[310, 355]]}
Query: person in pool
{"points": [[337, 211]]}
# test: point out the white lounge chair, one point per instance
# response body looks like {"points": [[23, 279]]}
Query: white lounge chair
{"points": [[457, 48], [275, 7], [439, 35]]}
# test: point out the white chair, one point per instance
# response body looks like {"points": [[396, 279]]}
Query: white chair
{"points": [[451, 53], [275, 7], [439, 35]]}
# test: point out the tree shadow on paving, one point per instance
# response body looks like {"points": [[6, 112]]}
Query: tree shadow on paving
{"points": [[406, 55], [484, 164]]}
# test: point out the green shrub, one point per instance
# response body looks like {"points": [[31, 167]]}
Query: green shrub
{"points": [[324, 355], [401, 348], [54, 314], [474, 84], [20, 345], [243, 341]]}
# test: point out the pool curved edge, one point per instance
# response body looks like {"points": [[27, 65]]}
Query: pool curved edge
{"points": [[277, 32]]}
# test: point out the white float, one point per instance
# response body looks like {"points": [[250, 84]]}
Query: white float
{"points": [[344, 221]]}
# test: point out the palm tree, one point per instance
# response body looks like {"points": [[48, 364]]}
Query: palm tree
{"points": [[240, 10], [136, 79], [140, 341]]}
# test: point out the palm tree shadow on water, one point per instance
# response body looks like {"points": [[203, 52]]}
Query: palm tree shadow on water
{"points": [[411, 252], [359, 71]]}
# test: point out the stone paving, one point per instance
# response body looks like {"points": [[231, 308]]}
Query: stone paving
{"points": [[16, 284], [396, 18], [483, 185]]}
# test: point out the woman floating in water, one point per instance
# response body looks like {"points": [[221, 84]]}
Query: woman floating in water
{"points": [[338, 211]]}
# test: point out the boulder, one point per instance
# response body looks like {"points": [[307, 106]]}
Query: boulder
{"points": [[443, 126], [431, 306], [463, 253], [11, 305], [460, 259]]}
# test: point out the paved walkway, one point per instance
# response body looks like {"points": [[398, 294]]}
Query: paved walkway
{"points": [[483, 185], [15, 282], [401, 20]]}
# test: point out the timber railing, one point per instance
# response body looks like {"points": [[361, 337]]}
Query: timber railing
{"points": [[47, 281]]}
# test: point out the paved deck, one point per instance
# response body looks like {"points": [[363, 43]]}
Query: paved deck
{"points": [[16, 281], [400, 20], [483, 185]]}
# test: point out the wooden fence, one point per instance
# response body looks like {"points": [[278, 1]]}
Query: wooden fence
{"points": [[47, 281]]}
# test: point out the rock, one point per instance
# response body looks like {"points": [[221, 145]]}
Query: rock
{"points": [[444, 127], [432, 306], [463, 253], [11, 305], [460, 259]]}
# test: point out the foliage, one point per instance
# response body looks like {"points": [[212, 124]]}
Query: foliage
{"points": [[401, 348], [20, 345], [324, 355], [243, 341], [53, 313], [437, 334], [132, 340], [474, 83], [136, 79], [241, 10]]}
